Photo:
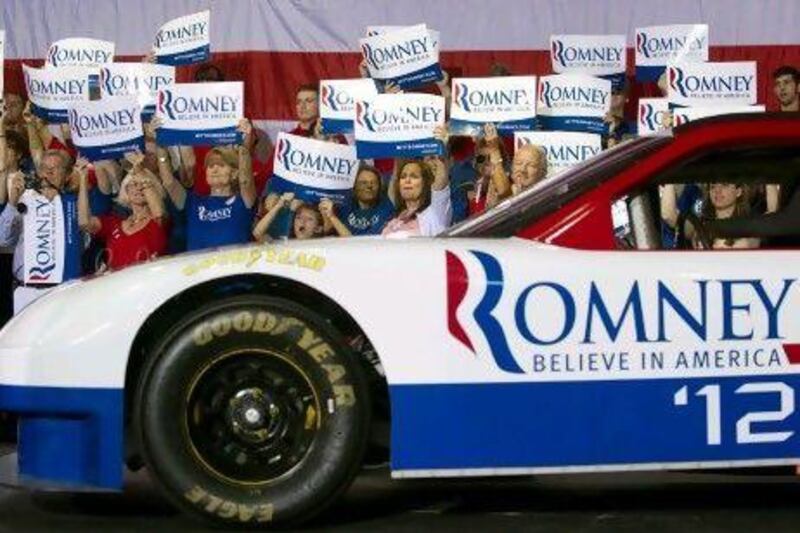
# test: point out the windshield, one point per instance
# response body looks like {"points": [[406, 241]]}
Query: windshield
{"points": [[551, 193]]}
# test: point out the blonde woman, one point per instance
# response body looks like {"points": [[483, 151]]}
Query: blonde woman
{"points": [[140, 236]]}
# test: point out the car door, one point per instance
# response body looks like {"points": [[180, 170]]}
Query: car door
{"points": [[587, 357]]}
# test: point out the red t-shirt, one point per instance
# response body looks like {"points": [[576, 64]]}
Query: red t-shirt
{"points": [[124, 249]]}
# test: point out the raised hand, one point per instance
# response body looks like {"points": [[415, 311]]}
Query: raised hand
{"points": [[392, 88], [441, 133], [490, 133], [16, 186], [245, 127], [326, 208], [135, 159]]}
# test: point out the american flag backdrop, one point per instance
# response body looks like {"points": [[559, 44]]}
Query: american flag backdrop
{"points": [[276, 45]]}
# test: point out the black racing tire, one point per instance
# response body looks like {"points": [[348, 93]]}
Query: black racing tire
{"points": [[253, 412]]}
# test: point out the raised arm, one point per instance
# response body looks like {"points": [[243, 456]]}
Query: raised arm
{"points": [[500, 180], [669, 204], [247, 185], [152, 195], [173, 187], [86, 221], [331, 220], [34, 140], [108, 174], [273, 205], [439, 165]]}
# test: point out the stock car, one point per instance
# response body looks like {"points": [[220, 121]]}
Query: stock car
{"points": [[551, 334]]}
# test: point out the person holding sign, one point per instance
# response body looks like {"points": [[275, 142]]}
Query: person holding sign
{"points": [[40, 220], [421, 195], [224, 216], [141, 235]]}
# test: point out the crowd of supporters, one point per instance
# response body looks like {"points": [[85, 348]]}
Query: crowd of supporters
{"points": [[170, 200]]}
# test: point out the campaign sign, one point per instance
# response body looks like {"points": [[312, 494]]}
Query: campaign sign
{"points": [[337, 107], [564, 148], [53, 92], [596, 55], [79, 52], [683, 115], [573, 102], [43, 227], [314, 169], [141, 80], [653, 116], [508, 102], [408, 57], [184, 40], [657, 46], [107, 128], [710, 84], [200, 113], [398, 125]]}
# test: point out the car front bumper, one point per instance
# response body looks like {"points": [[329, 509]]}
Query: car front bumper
{"points": [[68, 438]]}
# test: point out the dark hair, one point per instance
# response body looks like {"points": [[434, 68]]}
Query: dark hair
{"points": [[203, 71], [786, 70], [312, 87], [377, 173], [740, 210], [499, 69], [427, 183], [18, 143]]}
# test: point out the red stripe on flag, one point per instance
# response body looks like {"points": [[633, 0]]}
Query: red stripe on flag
{"points": [[271, 78]]}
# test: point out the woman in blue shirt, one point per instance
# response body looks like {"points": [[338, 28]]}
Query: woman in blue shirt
{"points": [[225, 216], [369, 210]]}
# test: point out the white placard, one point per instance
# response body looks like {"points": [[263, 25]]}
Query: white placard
{"points": [[337, 102], [657, 46], [573, 102], [508, 102], [200, 113], [79, 52], [408, 57], [54, 91], [398, 125], [652, 116], [688, 114], [712, 84], [564, 149], [314, 169], [44, 247], [141, 80], [107, 128], [184, 40], [595, 55]]}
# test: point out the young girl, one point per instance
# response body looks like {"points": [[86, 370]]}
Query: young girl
{"points": [[307, 224]]}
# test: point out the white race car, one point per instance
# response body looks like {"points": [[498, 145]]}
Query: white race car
{"points": [[549, 335]]}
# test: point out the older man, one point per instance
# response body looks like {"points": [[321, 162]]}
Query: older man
{"points": [[528, 167], [48, 189]]}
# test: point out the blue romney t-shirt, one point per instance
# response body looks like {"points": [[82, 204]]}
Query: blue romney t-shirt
{"points": [[368, 221], [216, 221]]}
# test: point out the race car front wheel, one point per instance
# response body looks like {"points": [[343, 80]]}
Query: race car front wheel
{"points": [[253, 412]]}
